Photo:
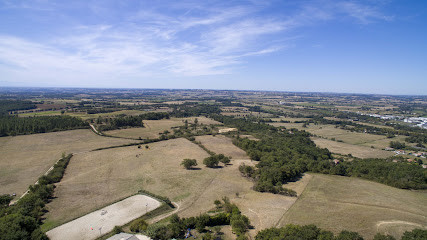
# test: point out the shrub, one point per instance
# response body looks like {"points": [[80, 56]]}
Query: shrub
{"points": [[138, 225]]}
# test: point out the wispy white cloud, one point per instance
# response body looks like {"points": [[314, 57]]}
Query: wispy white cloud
{"points": [[363, 13], [187, 40]]}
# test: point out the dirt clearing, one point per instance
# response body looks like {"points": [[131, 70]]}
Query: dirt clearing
{"points": [[102, 221]]}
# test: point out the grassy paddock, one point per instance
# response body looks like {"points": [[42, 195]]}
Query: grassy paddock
{"points": [[340, 203], [25, 158], [355, 150], [98, 178], [222, 144]]}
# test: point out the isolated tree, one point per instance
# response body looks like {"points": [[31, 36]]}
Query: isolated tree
{"points": [[211, 161], [189, 163]]}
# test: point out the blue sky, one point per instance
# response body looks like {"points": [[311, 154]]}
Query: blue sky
{"points": [[370, 46]]}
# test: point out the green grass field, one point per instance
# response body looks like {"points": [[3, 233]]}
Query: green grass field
{"points": [[340, 203]]}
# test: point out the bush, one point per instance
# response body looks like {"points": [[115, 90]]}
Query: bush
{"points": [[379, 236], [138, 225], [117, 230], [416, 234], [347, 235]]}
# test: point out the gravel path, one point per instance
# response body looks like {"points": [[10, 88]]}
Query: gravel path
{"points": [[102, 221]]}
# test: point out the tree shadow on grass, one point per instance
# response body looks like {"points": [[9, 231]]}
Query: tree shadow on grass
{"points": [[195, 168]]}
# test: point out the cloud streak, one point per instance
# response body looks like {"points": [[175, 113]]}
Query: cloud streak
{"points": [[200, 40]]}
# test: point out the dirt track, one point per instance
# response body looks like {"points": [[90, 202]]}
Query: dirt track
{"points": [[102, 221]]}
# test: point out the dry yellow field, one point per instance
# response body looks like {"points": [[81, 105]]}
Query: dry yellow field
{"points": [[355, 138], [287, 125], [24, 159], [95, 179], [222, 144], [340, 203], [355, 150], [154, 127]]}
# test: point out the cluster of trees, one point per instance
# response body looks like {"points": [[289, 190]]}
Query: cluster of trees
{"points": [[213, 160], [396, 174], [397, 145], [129, 121], [417, 138], [194, 109], [7, 106], [188, 130], [14, 125], [282, 157], [177, 228], [23, 219], [312, 232]]}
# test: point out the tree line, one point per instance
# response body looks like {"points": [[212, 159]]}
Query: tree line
{"points": [[14, 125], [228, 214], [129, 121], [312, 232], [7, 106], [23, 219]]}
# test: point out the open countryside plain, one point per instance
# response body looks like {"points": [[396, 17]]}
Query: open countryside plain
{"points": [[25, 158], [338, 203], [103, 177], [152, 128], [112, 174]]}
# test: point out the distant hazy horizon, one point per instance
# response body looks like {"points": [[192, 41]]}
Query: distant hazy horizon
{"points": [[209, 89], [332, 46]]}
